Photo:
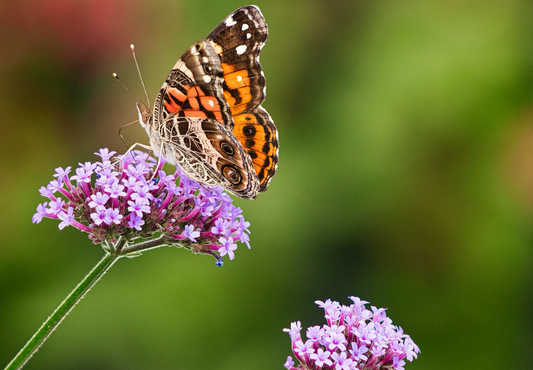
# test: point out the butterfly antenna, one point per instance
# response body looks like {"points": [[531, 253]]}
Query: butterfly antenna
{"points": [[126, 87], [140, 75]]}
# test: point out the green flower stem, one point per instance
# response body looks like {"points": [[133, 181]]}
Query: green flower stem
{"points": [[62, 311], [118, 249], [160, 241]]}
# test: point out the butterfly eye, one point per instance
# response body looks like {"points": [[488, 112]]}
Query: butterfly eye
{"points": [[226, 148], [231, 174]]}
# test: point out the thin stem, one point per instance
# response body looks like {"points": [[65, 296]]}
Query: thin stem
{"points": [[146, 245], [62, 311]]}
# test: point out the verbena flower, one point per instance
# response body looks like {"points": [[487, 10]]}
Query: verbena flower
{"points": [[125, 198], [353, 337]]}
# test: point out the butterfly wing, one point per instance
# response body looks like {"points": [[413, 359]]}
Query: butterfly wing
{"points": [[207, 116], [209, 153], [191, 125], [238, 40], [194, 87]]}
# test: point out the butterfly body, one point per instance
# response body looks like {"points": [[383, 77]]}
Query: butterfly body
{"points": [[207, 117]]}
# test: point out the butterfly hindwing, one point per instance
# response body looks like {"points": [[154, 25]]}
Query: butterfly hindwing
{"points": [[233, 163], [208, 152], [258, 136]]}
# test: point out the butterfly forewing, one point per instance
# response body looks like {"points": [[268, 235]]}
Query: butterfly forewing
{"points": [[194, 87], [238, 41]]}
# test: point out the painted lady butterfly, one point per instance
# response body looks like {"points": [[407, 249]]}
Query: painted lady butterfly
{"points": [[207, 117]]}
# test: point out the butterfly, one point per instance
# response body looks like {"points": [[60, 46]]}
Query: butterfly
{"points": [[207, 117]]}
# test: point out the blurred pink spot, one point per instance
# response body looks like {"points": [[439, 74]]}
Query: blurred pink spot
{"points": [[75, 31]]}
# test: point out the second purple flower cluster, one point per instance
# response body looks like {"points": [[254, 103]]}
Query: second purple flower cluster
{"points": [[354, 338]]}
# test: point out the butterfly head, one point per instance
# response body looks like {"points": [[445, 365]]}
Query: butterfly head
{"points": [[145, 115]]}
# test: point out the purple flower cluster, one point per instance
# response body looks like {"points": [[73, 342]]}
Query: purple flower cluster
{"points": [[353, 338], [129, 199]]}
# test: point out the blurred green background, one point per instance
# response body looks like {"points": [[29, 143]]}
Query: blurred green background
{"points": [[405, 178]]}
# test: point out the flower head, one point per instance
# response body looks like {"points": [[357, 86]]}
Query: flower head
{"points": [[130, 199], [353, 338]]}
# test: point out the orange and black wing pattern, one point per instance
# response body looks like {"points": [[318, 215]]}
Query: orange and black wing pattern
{"points": [[238, 40], [194, 88]]}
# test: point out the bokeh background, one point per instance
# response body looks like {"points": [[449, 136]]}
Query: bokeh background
{"points": [[406, 178]]}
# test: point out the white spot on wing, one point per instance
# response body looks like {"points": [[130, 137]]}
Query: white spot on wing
{"points": [[240, 49], [205, 59], [245, 27], [248, 35], [230, 22], [207, 79], [239, 78], [264, 87], [211, 104]]}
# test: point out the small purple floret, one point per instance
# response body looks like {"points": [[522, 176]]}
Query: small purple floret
{"points": [[135, 222], [190, 234], [98, 200], [228, 246], [289, 363], [66, 217]]}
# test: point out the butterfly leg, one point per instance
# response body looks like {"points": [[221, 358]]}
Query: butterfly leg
{"points": [[158, 161], [147, 147], [136, 145]]}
